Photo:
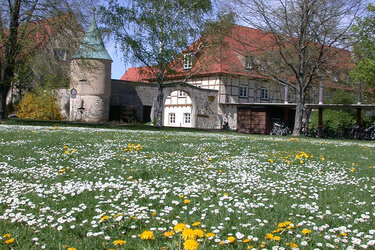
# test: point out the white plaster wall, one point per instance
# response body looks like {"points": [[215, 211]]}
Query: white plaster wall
{"points": [[96, 109], [91, 77], [179, 111]]}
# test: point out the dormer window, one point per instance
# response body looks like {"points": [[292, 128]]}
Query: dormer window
{"points": [[335, 78], [249, 63], [188, 61], [263, 65], [59, 54]]}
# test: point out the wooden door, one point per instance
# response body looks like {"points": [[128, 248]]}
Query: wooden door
{"points": [[243, 121]]}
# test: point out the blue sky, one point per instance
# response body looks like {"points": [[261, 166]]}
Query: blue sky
{"points": [[118, 66]]}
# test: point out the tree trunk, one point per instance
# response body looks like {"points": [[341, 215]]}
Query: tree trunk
{"points": [[4, 93], [299, 113], [11, 49], [160, 107]]}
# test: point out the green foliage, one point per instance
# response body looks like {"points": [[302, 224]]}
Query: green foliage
{"points": [[365, 48], [342, 97], [40, 104], [155, 32], [334, 120]]}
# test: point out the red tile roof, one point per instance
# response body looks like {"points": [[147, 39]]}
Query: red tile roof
{"points": [[241, 40]]}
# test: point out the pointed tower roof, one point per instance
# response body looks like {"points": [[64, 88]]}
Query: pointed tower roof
{"points": [[92, 46]]}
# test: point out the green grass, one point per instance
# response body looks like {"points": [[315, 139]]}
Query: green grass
{"points": [[57, 182]]}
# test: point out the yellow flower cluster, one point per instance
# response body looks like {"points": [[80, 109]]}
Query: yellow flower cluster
{"points": [[39, 105], [119, 242], [8, 239], [147, 235], [133, 148]]}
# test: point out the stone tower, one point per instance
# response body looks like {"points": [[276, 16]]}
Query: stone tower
{"points": [[90, 79]]}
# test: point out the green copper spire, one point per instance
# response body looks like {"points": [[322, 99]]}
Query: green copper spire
{"points": [[92, 46]]}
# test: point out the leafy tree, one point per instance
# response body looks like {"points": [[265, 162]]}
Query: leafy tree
{"points": [[26, 26], [304, 41], [364, 29], [153, 33]]}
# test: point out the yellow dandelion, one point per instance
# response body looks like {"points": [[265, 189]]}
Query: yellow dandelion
{"points": [[147, 235], [276, 238], [119, 242], [6, 236], [168, 234], [306, 231], [344, 234], [195, 224], [250, 247], [208, 235], [292, 245], [246, 240], [191, 245], [74, 150], [179, 227], [188, 234], [186, 201], [199, 233], [72, 248], [9, 241], [231, 239], [353, 169], [270, 160], [105, 217], [278, 230], [269, 236]]}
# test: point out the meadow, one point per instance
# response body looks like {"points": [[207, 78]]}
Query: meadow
{"points": [[98, 188]]}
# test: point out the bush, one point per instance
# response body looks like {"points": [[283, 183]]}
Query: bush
{"points": [[338, 121], [40, 105], [334, 120]]}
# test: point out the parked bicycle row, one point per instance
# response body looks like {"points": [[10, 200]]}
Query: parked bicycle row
{"points": [[356, 133]]}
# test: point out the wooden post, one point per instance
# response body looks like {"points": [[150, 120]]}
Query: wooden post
{"points": [[359, 116], [320, 122]]}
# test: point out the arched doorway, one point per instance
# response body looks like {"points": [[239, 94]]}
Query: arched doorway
{"points": [[178, 110]]}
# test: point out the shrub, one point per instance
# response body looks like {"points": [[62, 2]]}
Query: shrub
{"points": [[40, 104], [334, 120]]}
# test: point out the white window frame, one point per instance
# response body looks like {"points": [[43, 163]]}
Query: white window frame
{"points": [[244, 91], [187, 118], [188, 61], [265, 94], [172, 118]]}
